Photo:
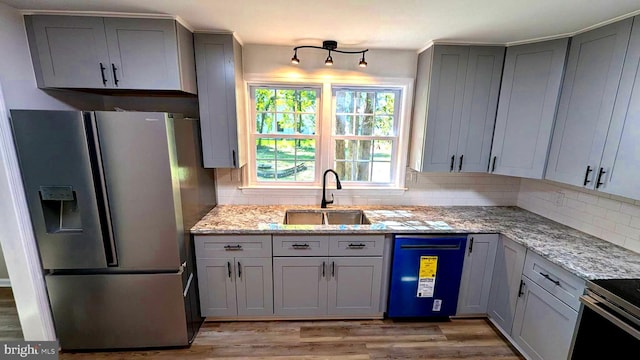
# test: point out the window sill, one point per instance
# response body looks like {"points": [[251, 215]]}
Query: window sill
{"points": [[317, 190]]}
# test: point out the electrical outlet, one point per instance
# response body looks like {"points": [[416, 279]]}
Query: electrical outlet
{"points": [[559, 198]]}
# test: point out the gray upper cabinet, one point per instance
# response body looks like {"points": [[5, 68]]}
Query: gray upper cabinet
{"points": [[477, 273], [621, 157], [456, 99], [506, 283], [221, 92], [527, 108], [586, 104], [69, 51], [111, 53]]}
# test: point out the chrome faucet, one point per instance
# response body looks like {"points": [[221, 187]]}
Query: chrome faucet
{"points": [[325, 202]]}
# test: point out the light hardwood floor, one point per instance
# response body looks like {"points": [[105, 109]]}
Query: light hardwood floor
{"points": [[9, 323], [348, 340]]}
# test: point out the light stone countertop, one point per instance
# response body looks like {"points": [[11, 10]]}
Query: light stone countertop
{"points": [[581, 254]]}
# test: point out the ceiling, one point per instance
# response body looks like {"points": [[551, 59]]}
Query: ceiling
{"points": [[393, 24]]}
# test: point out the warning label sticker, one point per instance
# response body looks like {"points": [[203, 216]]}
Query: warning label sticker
{"points": [[427, 276]]}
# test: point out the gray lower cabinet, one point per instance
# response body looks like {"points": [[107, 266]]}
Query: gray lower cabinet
{"points": [[307, 286], [235, 286], [592, 77], [456, 98], [543, 325], [300, 285], [111, 53], [235, 275], [505, 286], [477, 274], [221, 92], [527, 108]]}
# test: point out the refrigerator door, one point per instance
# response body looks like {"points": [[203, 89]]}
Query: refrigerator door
{"points": [[142, 183], [112, 311], [55, 161]]}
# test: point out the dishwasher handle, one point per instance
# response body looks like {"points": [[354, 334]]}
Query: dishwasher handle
{"points": [[432, 246]]}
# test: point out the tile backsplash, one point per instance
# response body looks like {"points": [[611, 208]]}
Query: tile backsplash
{"points": [[609, 217], [436, 189]]}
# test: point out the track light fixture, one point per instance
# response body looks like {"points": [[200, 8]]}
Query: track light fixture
{"points": [[329, 45]]}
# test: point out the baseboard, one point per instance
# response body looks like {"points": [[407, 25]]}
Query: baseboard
{"points": [[5, 283]]}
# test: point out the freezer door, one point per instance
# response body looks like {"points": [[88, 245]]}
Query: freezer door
{"points": [[111, 311], [142, 181], [55, 162]]}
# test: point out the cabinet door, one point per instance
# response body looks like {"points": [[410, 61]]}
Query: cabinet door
{"points": [[143, 53], [420, 102], [445, 107], [505, 284], [217, 287], [69, 51], [543, 325], [217, 99], [354, 285], [481, 89], [527, 108], [477, 273], [621, 158], [254, 286], [588, 93], [300, 285]]}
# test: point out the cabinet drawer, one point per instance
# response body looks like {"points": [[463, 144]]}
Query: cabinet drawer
{"points": [[559, 282], [216, 246], [356, 245], [300, 245]]}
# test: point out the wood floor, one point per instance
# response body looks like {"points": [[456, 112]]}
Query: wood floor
{"points": [[345, 340], [9, 323]]}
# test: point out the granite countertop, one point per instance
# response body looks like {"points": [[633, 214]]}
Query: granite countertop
{"points": [[581, 254]]}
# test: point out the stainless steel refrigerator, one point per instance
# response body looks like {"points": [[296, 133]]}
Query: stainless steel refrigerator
{"points": [[112, 196]]}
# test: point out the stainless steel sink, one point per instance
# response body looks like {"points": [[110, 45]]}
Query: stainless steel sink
{"points": [[328, 217], [304, 217], [346, 217]]}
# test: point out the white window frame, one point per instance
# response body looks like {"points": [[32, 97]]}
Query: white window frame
{"points": [[254, 135], [394, 138], [327, 83]]}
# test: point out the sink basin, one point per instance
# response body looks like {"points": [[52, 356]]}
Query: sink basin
{"points": [[346, 217], [328, 217], [301, 217]]}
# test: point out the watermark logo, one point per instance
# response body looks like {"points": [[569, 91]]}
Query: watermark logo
{"points": [[45, 350]]}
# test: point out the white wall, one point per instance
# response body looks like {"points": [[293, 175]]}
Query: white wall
{"points": [[609, 217]]}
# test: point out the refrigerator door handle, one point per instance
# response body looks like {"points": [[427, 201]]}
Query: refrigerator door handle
{"points": [[186, 288], [105, 214]]}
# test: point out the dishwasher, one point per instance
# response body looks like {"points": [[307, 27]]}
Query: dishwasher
{"points": [[425, 275]]}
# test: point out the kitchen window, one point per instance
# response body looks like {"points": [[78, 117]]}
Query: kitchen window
{"points": [[285, 134], [294, 135], [365, 133]]}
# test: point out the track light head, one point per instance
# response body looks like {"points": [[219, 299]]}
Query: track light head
{"points": [[328, 45]]}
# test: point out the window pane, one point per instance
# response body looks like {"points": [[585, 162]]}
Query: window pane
{"points": [[285, 159], [364, 102], [344, 101], [344, 125], [383, 126], [307, 124], [266, 170], [307, 101], [285, 123], [382, 150], [285, 100], [385, 102], [265, 99], [265, 149], [362, 171], [381, 172], [363, 150], [364, 125], [344, 149], [264, 123], [344, 170]]}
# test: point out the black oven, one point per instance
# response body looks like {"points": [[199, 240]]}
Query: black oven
{"points": [[609, 321]]}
